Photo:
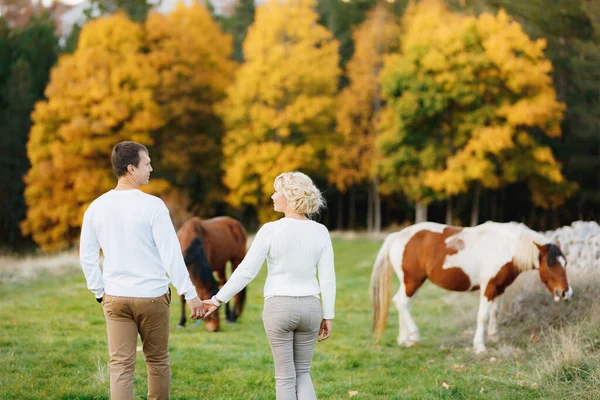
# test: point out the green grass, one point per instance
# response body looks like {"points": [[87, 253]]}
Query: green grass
{"points": [[53, 346]]}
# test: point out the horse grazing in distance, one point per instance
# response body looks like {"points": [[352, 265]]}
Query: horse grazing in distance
{"points": [[216, 240], [487, 257]]}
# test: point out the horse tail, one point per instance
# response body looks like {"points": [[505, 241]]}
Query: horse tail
{"points": [[241, 239], [381, 286]]}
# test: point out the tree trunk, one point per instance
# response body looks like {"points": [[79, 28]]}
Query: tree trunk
{"points": [[494, 206], [377, 206], [370, 209], [420, 212], [475, 207], [449, 211], [340, 211], [352, 209]]}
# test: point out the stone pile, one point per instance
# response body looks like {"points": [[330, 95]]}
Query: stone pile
{"points": [[580, 242]]}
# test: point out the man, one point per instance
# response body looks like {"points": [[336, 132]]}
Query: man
{"points": [[139, 244]]}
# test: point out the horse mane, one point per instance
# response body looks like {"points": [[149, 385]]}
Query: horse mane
{"points": [[526, 256], [553, 253]]}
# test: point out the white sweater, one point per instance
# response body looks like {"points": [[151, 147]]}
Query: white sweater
{"points": [[139, 244], [293, 249]]}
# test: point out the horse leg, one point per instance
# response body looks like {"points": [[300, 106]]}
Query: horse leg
{"points": [[482, 317], [402, 324], [493, 324], [182, 319], [409, 332], [222, 281]]}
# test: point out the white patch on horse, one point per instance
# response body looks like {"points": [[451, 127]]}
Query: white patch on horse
{"points": [[481, 255], [562, 261]]}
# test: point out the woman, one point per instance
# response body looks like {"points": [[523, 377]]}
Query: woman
{"points": [[295, 248]]}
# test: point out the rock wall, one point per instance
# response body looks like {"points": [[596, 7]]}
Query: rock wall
{"points": [[580, 242]]}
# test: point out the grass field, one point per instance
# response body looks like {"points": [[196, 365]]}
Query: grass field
{"points": [[53, 344]]}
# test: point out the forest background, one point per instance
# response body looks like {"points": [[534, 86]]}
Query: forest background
{"points": [[401, 111]]}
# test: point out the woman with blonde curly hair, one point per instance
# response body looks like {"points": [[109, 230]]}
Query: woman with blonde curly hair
{"points": [[296, 249]]}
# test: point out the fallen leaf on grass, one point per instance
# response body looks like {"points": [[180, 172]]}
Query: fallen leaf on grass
{"points": [[534, 338], [446, 386], [353, 393], [461, 367]]}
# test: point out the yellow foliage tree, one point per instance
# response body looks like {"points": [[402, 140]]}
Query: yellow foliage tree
{"points": [[279, 112], [191, 56], [351, 158], [505, 146], [468, 101], [418, 126], [98, 96]]}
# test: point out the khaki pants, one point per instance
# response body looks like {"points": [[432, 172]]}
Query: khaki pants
{"points": [[292, 325], [125, 318]]}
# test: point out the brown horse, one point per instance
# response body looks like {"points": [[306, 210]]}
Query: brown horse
{"points": [[216, 240]]}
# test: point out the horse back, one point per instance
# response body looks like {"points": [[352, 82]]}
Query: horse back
{"points": [[224, 239], [425, 257]]}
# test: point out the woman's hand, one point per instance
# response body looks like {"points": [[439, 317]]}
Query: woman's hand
{"points": [[209, 308], [325, 330]]}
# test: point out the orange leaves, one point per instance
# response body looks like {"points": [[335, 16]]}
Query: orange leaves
{"points": [[97, 97], [190, 56], [279, 111], [152, 83], [351, 159]]}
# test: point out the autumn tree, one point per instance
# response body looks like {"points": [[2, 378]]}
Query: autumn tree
{"points": [[507, 143], [98, 96], [572, 31], [469, 100], [351, 158], [191, 57], [280, 110]]}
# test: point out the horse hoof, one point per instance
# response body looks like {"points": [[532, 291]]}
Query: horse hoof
{"points": [[480, 350], [493, 338], [180, 327]]}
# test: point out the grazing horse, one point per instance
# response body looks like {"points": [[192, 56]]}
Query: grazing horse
{"points": [[488, 256], [216, 241]]}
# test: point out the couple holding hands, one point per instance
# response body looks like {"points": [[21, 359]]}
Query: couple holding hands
{"points": [[140, 248]]}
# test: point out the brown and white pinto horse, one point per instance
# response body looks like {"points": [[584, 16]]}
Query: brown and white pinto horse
{"points": [[488, 256], [216, 240]]}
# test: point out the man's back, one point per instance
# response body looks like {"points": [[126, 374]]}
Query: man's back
{"points": [[137, 239]]}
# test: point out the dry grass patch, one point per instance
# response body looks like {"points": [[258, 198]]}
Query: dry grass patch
{"points": [[21, 269]]}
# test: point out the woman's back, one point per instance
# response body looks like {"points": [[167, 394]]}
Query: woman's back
{"points": [[294, 249]]}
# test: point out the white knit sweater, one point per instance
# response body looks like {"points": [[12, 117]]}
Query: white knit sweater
{"points": [[139, 243], [295, 251]]}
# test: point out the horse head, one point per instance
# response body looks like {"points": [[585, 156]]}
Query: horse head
{"points": [[196, 259], [553, 271]]}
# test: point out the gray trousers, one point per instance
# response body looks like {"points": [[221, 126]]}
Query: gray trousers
{"points": [[292, 325]]}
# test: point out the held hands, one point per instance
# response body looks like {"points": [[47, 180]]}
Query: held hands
{"points": [[197, 308], [325, 330], [209, 307]]}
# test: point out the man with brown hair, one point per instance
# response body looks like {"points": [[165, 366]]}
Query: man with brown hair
{"points": [[140, 246]]}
